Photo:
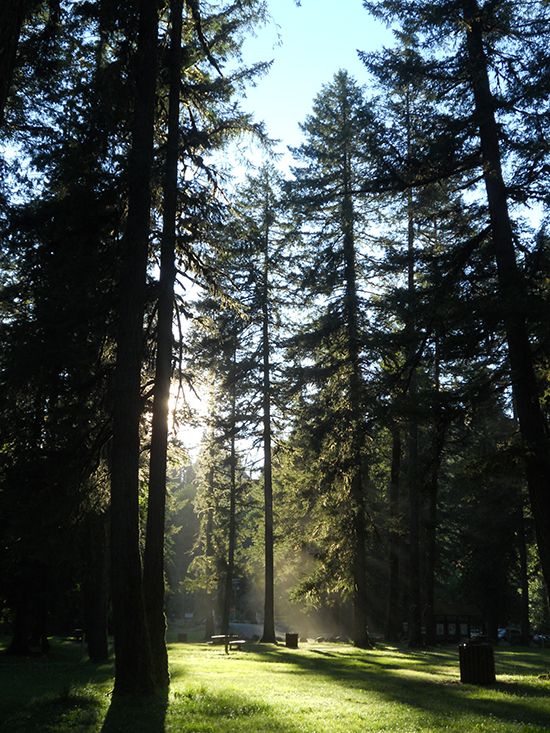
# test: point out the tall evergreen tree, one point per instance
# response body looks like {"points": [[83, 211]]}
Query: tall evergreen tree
{"points": [[133, 672], [153, 559], [333, 162], [252, 262], [222, 484], [213, 104], [261, 239], [417, 228], [59, 254], [77, 65], [478, 40]]}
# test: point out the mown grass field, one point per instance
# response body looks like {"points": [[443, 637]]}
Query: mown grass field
{"points": [[318, 688]]}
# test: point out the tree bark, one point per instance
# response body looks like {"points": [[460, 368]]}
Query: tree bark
{"points": [[524, 576], [95, 585], [12, 17], [209, 626], [153, 561], [133, 669], [230, 571], [512, 290], [392, 630], [357, 478], [361, 637], [438, 439], [268, 636], [19, 644], [415, 611]]}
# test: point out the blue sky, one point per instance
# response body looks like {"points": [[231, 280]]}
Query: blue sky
{"points": [[308, 45]]}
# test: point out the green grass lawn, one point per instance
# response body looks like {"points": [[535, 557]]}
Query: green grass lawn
{"points": [[318, 688]]}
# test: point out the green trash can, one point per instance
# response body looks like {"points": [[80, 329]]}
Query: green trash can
{"points": [[477, 663]]}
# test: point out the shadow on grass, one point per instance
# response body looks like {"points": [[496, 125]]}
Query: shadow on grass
{"points": [[46, 693], [422, 688], [520, 661], [138, 715], [518, 689], [69, 710]]}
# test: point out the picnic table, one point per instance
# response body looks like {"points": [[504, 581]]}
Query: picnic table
{"points": [[231, 641]]}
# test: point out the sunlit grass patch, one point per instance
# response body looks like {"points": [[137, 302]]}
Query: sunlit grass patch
{"points": [[318, 688], [197, 708], [324, 687]]}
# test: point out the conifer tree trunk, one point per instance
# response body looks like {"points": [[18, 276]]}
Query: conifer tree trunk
{"points": [[11, 20], [431, 519], [415, 616], [230, 571], [361, 633], [415, 612], [133, 670], [210, 628], [512, 290], [228, 593], [524, 575], [268, 636], [95, 586], [19, 644], [392, 630], [153, 562], [357, 479]]}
